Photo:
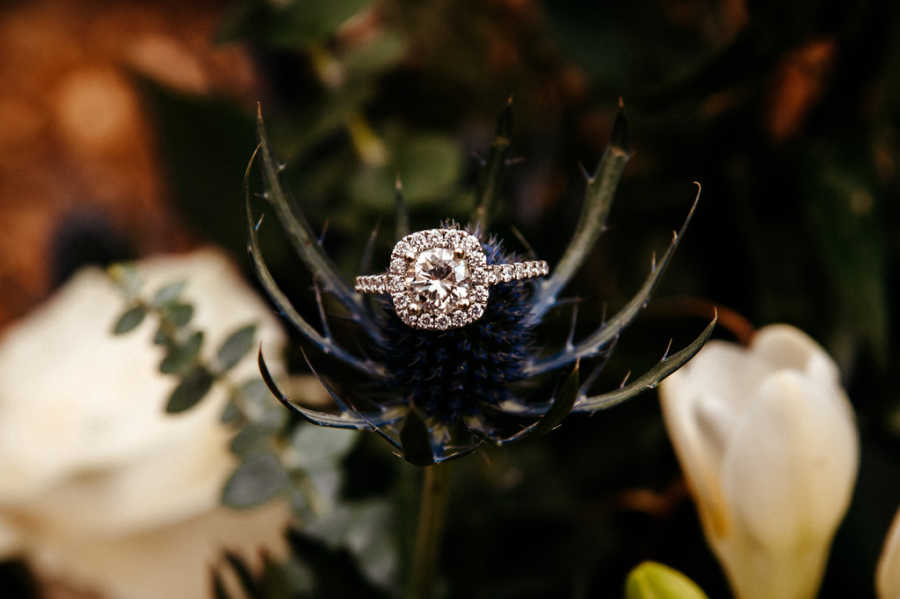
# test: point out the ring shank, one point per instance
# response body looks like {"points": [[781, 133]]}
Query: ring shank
{"points": [[493, 274]]}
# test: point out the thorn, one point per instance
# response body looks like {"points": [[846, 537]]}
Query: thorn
{"points": [[584, 172], [620, 136], [653, 262], [569, 344], [259, 222], [668, 349], [324, 231], [325, 328], [625, 380]]}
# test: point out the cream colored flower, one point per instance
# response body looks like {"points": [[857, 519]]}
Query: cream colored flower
{"points": [[767, 441], [887, 577], [98, 486]]}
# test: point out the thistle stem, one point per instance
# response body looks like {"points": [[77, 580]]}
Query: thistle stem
{"points": [[432, 508]]}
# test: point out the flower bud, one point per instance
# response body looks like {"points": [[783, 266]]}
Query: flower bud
{"points": [[652, 580], [768, 444]]}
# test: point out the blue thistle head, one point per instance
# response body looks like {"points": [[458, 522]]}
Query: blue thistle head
{"points": [[454, 374], [442, 393]]}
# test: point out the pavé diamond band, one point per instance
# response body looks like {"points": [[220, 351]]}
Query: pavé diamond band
{"points": [[439, 279]]}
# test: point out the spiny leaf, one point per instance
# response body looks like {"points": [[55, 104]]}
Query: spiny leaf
{"points": [[193, 387], [649, 379], [181, 357], [489, 185], [129, 320], [598, 197], [257, 479], [612, 328], [235, 347]]}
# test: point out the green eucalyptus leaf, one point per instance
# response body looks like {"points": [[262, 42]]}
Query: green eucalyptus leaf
{"points": [[259, 406], [252, 438], [256, 480], [652, 580], [416, 440], [179, 314], [235, 347], [231, 414], [317, 446], [181, 357], [168, 293], [129, 320], [193, 387], [160, 337]]}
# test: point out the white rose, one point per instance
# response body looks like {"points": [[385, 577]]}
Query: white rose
{"points": [[98, 486], [767, 441]]}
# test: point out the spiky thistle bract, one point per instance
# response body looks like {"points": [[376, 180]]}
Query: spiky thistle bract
{"points": [[436, 395]]}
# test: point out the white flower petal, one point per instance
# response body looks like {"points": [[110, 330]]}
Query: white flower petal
{"points": [[98, 485], [887, 577], [767, 441]]}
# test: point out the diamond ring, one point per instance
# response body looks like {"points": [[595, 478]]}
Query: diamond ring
{"points": [[439, 278]]}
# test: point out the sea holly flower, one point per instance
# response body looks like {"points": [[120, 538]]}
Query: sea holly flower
{"points": [[768, 443], [440, 391]]}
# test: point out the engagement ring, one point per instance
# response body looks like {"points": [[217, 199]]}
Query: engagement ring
{"points": [[439, 279]]}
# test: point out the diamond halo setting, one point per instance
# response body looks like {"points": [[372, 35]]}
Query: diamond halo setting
{"points": [[439, 278]]}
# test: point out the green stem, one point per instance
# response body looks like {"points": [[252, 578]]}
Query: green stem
{"points": [[428, 535]]}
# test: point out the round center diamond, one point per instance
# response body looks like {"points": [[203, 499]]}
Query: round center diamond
{"points": [[440, 279]]}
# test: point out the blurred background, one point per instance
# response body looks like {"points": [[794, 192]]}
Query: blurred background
{"points": [[125, 129]]}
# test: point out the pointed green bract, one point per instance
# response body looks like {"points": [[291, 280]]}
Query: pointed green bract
{"points": [[612, 328], [491, 175], [649, 379], [598, 198], [281, 300], [301, 236]]}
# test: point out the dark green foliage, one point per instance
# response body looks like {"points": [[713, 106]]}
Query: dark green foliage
{"points": [[258, 478], [192, 388], [235, 347], [182, 356], [129, 320]]}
